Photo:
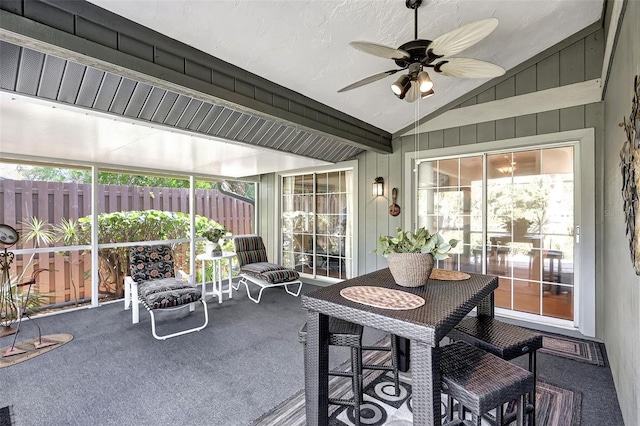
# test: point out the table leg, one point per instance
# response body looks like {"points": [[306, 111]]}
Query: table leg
{"points": [[204, 279], [316, 376], [218, 278], [230, 265], [404, 354], [487, 306], [426, 386]]}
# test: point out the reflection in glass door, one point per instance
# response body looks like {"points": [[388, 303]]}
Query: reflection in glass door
{"points": [[528, 224], [317, 223]]}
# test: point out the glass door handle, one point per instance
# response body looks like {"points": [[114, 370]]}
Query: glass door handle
{"points": [[578, 234]]}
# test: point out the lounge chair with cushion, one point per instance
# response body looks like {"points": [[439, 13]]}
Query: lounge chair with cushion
{"points": [[153, 283], [256, 268]]}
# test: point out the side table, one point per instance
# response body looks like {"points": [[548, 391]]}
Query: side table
{"points": [[216, 275]]}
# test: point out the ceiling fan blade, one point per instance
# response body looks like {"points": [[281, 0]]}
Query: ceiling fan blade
{"points": [[468, 68], [379, 50], [369, 79], [457, 40]]}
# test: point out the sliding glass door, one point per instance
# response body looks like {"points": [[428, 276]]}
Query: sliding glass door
{"points": [[317, 223], [514, 214]]}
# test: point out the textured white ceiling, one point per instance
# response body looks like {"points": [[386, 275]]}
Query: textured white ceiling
{"points": [[303, 45]]}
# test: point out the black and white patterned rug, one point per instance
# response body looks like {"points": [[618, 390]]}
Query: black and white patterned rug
{"points": [[6, 416], [555, 406]]}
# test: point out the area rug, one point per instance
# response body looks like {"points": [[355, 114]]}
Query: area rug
{"points": [[27, 349], [6, 417], [569, 347], [555, 406]]}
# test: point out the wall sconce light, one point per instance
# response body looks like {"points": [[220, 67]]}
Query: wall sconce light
{"points": [[378, 187]]}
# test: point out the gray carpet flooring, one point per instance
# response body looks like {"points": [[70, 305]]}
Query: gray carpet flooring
{"points": [[244, 363]]}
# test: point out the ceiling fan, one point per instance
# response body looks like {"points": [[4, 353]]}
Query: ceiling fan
{"points": [[418, 54]]}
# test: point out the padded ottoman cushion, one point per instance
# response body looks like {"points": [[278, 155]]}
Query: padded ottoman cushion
{"points": [[147, 288], [270, 272], [167, 292], [280, 276]]}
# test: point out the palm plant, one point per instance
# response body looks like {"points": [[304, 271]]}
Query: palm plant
{"points": [[68, 232], [39, 233]]}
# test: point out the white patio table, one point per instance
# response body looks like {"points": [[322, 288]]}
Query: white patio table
{"points": [[216, 274]]}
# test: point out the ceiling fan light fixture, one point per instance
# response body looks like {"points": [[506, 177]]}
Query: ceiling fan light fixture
{"points": [[424, 82], [414, 56], [413, 94], [427, 94], [401, 86]]}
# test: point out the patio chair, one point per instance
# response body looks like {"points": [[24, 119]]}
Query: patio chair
{"points": [[153, 283], [256, 268]]}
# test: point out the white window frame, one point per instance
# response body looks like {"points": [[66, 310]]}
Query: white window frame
{"points": [[277, 232]]}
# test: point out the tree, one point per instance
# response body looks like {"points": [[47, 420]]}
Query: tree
{"points": [[244, 189], [54, 174], [526, 199]]}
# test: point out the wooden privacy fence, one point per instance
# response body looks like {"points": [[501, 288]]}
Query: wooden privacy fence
{"points": [[53, 201]]}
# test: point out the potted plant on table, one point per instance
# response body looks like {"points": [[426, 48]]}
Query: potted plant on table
{"points": [[214, 235], [411, 255]]}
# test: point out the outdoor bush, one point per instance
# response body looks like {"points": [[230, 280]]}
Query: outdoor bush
{"points": [[129, 226]]}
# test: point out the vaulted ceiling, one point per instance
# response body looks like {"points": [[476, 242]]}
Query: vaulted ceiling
{"points": [[304, 45], [281, 63]]}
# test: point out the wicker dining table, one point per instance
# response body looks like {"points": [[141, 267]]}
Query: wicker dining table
{"points": [[445, 304]]}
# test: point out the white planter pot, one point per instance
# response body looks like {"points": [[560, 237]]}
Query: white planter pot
{"points": [[210, 248]]}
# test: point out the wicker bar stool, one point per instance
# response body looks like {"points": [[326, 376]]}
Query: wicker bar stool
{"points": [[481, 381], [506, 341], [393, 348], [348, 334]]}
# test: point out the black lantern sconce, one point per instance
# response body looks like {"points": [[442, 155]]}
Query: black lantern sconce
{"points": [[378, 187]]}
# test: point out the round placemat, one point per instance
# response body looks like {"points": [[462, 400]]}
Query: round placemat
{"points": [[384, 298], [447, 275]]}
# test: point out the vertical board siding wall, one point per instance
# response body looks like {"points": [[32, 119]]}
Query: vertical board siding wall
{"points": [[53, 201], [577, 61], [621, 286], [269, 217]]}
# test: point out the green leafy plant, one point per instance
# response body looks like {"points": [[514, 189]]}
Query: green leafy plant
{"points": [[128, 226], [422, 241], [214, 234], [14, 297]]}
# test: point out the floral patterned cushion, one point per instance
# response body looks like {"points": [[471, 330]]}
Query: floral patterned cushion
{"points": [[147, 288], [167, 292], [153, 268], [270, 272], [151, 262], [173, 297]]}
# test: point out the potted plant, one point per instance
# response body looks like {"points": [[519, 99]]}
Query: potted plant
{"points": [[213, 235], [411, 255]]}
